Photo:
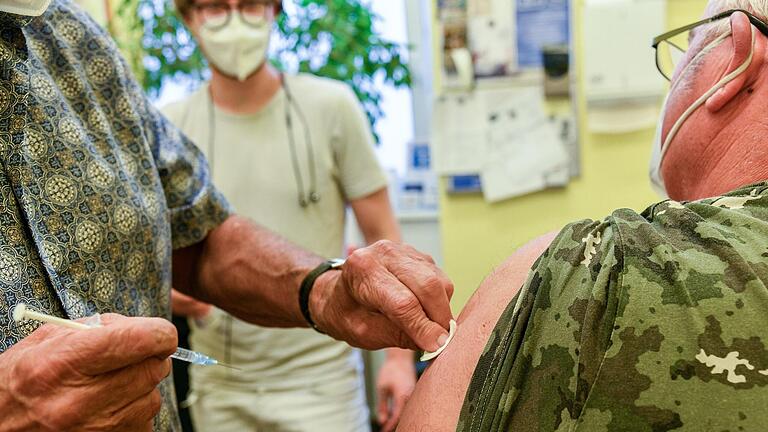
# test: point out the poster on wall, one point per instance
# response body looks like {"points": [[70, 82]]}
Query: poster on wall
{"points": [[457, 59], [478, 40], [540, 24], [492, 37], [505, 142]]}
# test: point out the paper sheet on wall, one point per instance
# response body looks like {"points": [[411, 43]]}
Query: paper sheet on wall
{"points": [[492, 37], [529, 164], [525, 148], [458, 134], [456, 57], [479, 7], [507, 137], [565, 124]]}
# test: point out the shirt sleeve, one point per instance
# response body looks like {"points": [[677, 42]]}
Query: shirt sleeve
{"points": [[194, 204], [541, 359], [359, 171]]}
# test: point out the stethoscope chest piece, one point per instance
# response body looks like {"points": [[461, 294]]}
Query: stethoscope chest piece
{"points": [[314, 198]]}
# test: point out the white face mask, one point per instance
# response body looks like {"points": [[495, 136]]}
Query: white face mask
{"points": [[237, 49], [659, 150], [24, 7]]}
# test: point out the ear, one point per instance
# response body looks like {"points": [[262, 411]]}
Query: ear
{"points": [[741, 46]]}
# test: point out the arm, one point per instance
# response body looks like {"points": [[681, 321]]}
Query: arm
{"points": [[397, 377], [221, 271], [442, 388], [385, 295], [376, 218], [527, 358]]}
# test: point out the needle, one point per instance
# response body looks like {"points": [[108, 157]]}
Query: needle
{"points": [[22, 312]]}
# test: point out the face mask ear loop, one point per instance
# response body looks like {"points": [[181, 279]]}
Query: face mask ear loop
{"points": [[700, 101]]}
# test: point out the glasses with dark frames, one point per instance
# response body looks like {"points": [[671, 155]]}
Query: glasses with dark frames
{"points": [[671, 46], [216, 15]]}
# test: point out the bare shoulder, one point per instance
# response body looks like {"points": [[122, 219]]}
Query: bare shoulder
{"points": [[436, 403]]}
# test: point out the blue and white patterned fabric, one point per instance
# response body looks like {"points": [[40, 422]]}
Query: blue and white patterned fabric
{"points": [[96, 187]]}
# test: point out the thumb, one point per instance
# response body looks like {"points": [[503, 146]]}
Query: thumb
{"points": [[428, 335], [406, 312]]}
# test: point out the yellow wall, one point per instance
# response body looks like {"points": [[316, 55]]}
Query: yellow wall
{"points": [[478, 236]]}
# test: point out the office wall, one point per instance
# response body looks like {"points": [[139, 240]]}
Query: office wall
{"points": [[477, 236]]}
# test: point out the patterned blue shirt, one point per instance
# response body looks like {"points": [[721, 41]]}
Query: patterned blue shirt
{"points": [[96, 187]]}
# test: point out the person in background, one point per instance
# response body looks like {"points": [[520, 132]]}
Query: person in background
{"points": [[290, 152]]}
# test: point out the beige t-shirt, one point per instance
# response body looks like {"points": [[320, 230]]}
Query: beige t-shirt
{"points": [[251, 164]]}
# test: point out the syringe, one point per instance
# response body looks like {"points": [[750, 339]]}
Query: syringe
{"points": [[22, 312], [197, 358]]}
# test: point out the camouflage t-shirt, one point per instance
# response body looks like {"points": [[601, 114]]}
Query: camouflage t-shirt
{"points": [[641, 322]]}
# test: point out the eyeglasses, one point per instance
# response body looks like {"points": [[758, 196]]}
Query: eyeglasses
{"points": [[216, 15], [671, 46]]}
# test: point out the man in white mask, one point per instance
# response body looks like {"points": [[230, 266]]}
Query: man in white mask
{"points": [[290, 152], [104, 206], [652, 321]]}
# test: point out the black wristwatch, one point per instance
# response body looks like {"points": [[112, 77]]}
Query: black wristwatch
{"points": [[309, 282]]}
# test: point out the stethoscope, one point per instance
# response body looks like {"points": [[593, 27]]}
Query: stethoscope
{"points": [[305, 199]]}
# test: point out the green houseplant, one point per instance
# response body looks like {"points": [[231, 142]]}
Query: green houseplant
{"points": [[331, 38]]}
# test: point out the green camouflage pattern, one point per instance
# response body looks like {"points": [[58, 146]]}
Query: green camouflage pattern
{"points": [[640, 322]]}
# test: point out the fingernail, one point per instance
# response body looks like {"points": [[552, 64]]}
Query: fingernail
{"points": [[442, 339]]}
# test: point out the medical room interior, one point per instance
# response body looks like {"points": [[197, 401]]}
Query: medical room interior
{"points": [[487, 124]]}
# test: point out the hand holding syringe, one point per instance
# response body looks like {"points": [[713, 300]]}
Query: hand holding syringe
{"points": [[21, 312]]}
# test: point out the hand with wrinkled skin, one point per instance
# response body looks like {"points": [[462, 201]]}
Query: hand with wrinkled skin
{"points": [[386, 295], [99, 379]]}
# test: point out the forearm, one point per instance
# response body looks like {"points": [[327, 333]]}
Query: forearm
{"points": [[376, 218], [385, 231], [386, 295], [247, 271]]}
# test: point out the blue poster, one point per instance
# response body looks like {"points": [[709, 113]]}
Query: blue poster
{"points": [[540, 23]]}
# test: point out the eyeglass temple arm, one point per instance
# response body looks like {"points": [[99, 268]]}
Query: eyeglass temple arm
{"points": [[763, 27]]}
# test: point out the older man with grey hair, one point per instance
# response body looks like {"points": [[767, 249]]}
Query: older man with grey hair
{"points": [[640, 322]]}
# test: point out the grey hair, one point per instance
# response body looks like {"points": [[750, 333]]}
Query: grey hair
{"points": [[759, 8]]}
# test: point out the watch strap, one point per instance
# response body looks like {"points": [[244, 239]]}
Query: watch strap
{"points": [[306, 288]]}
